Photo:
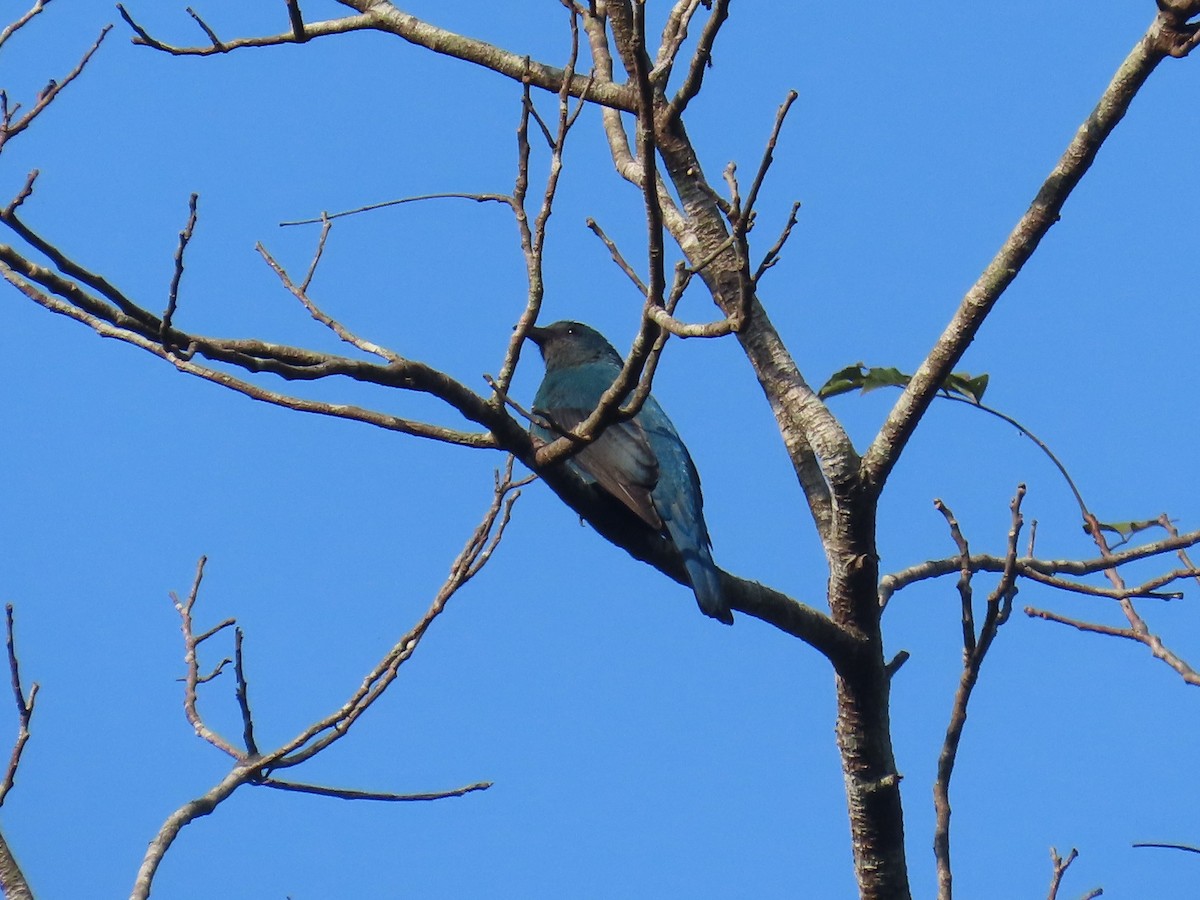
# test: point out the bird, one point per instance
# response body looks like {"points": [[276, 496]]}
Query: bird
{"points": [[640, 461]]}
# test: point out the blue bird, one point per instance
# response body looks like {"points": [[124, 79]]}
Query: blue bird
{"points": [[642, 461]]}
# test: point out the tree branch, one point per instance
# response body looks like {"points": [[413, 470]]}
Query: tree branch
{"points": [[350, 794], [9, 128], [1163, 38], [975, 648], [384, 17], [1033, 568], [13, 883], [14, 27], [252, 767]]}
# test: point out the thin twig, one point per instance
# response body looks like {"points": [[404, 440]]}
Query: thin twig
{"points": [[52, 90], [14, 27], [251, 766], [24, 704], [141, 329], [964, 578], [350, 794], [296, 20], [297, 291], [209, 33], [192, 678], [1187, 848], [22, 195], [1137, 625], [326, 227], [772, 255], [701, 59], [370, 207], [768, 157], [1060, 868], [935, 568], [619, 259], [242, 693], [975, 649], [173, 294]]}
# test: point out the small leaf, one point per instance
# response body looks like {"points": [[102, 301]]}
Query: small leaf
{"points": [[884, 377], [859, 378], [962, 384], [843, 381], [1125, 529]]}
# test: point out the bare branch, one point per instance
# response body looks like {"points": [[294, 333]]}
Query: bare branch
{"points": [[1187, 848], [12, 880], [328, 321], [193, 679], [144, 329], [173, 294], [450, 195], [24, 704], [533, 239], [964, 578], [1060, 868], [386, 18], [620, 260], [477, 551], [297, 21], [216, 42], [14, 27], [1166, 36], [1142, 635], [250, 766], [350, 794], [24, 194], [772, 255], [742, 217], [1025, 566], [637, 373], [675, 32], [314, 29], [140, 328], [974, 650], [1147, 589], [189, 812], [242, 693], [701, 59], [326, 227], [10, 129]]}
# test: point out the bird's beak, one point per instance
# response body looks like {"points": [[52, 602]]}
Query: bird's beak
{"points": [[537, 335]]}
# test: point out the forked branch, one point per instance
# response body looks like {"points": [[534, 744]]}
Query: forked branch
{"points": [[13, 883], [251, 766]]}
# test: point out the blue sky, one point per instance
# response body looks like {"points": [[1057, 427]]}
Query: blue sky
{"points": [[637, 748]]}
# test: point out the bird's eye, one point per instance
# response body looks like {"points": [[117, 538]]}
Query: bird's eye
{"points": [[570, 331]]}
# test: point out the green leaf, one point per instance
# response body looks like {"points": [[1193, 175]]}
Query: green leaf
{"points": [[843, 381], [1125, 529], [859, 378], [962, 384], [880, 377]]}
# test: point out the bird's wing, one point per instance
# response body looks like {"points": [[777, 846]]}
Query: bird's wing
{"points": [[620, 460]]}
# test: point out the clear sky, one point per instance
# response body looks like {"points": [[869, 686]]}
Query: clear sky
{"points": [[637, 748]]}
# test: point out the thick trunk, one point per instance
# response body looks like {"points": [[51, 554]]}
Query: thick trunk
{"points": [[864, 731], [847, 529], [872, 784]]}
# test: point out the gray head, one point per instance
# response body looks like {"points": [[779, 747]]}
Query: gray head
{"points": [[565, 345]]}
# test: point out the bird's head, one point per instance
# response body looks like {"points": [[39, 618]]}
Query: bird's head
{"points": [[568, 344]]}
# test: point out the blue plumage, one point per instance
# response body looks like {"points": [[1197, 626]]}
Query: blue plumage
{"points": [[642, 461]]}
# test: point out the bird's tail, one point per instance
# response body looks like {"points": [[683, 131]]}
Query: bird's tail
{"points": [[706, 584]]}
